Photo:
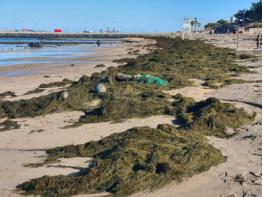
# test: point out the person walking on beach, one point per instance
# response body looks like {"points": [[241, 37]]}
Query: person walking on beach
{"points": [[259, 41], [98, 43]]}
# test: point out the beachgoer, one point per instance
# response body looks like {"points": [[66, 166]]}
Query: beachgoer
{"points": [[210, 32], [257, 39], [260, 41], [98, 43]]}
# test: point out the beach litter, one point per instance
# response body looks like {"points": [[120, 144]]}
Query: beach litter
{"points": [[145, 78], [149, 79], [100, 88]]}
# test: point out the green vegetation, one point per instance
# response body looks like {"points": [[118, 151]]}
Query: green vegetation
{"points": [[254, 14], [124, 163], [216, 24]]}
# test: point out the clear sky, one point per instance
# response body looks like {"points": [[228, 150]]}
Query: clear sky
{"points": [[126, 15]]}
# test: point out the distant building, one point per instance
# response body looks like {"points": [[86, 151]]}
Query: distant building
{"points": [[232, 19], [187, 32]]}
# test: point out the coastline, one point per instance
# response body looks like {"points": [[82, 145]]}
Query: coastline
{"points": [[13, 141], [35, 73]]}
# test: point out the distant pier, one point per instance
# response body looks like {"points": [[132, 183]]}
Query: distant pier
{"points": [[52, 35]]}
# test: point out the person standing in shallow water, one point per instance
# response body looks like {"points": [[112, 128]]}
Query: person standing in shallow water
{"points": [[98, 43]]}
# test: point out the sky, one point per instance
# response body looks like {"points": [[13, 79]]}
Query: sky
{"points": [[125, 15]]}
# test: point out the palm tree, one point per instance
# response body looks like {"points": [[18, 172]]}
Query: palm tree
{"points": [[194, 24]]}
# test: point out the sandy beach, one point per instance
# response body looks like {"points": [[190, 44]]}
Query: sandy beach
{"points": [[25, 145]]}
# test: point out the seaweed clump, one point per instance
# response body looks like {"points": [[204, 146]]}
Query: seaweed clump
{"points": [[124, 163], [210, 117], [7, 93], [56, 84], [37, 90], [8, 125], [173, 60], [100, 66], [123, 101]]}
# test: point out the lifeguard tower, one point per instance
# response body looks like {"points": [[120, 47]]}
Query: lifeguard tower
{"points": [[187, 33]]}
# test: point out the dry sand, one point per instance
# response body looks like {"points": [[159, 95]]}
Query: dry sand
{"points": [[243, 151]]}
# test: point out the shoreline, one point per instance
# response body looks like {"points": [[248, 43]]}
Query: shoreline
{"points": [[57, 72], [50, 123]]}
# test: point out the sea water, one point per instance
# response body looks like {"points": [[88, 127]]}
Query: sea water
{"points": [[15, 51]]}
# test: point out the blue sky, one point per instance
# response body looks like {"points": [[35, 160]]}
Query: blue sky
{"points": [[126, 15]]}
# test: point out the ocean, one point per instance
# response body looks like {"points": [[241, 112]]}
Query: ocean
{"points": [[15, 51]]}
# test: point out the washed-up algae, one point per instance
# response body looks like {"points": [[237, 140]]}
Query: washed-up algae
{"points": [[7, 93], [173, 60], [132, 161], [56, 84], [127, 100], [35, 91], [8, 125], [100, 66], [141, 158], [210, 117]]}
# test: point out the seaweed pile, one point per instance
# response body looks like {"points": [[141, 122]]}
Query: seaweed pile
{"points": [[8, 125], [174, 60], [141, 158], [56, 84], [127, 100], [37, 90], [210, 117], [137, 159], [7, 93]]}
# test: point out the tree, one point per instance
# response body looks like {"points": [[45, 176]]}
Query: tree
{"points": [[221, 22], [256, 10], [240, 15], [216, 24], [254, 14], [194, 24]]}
